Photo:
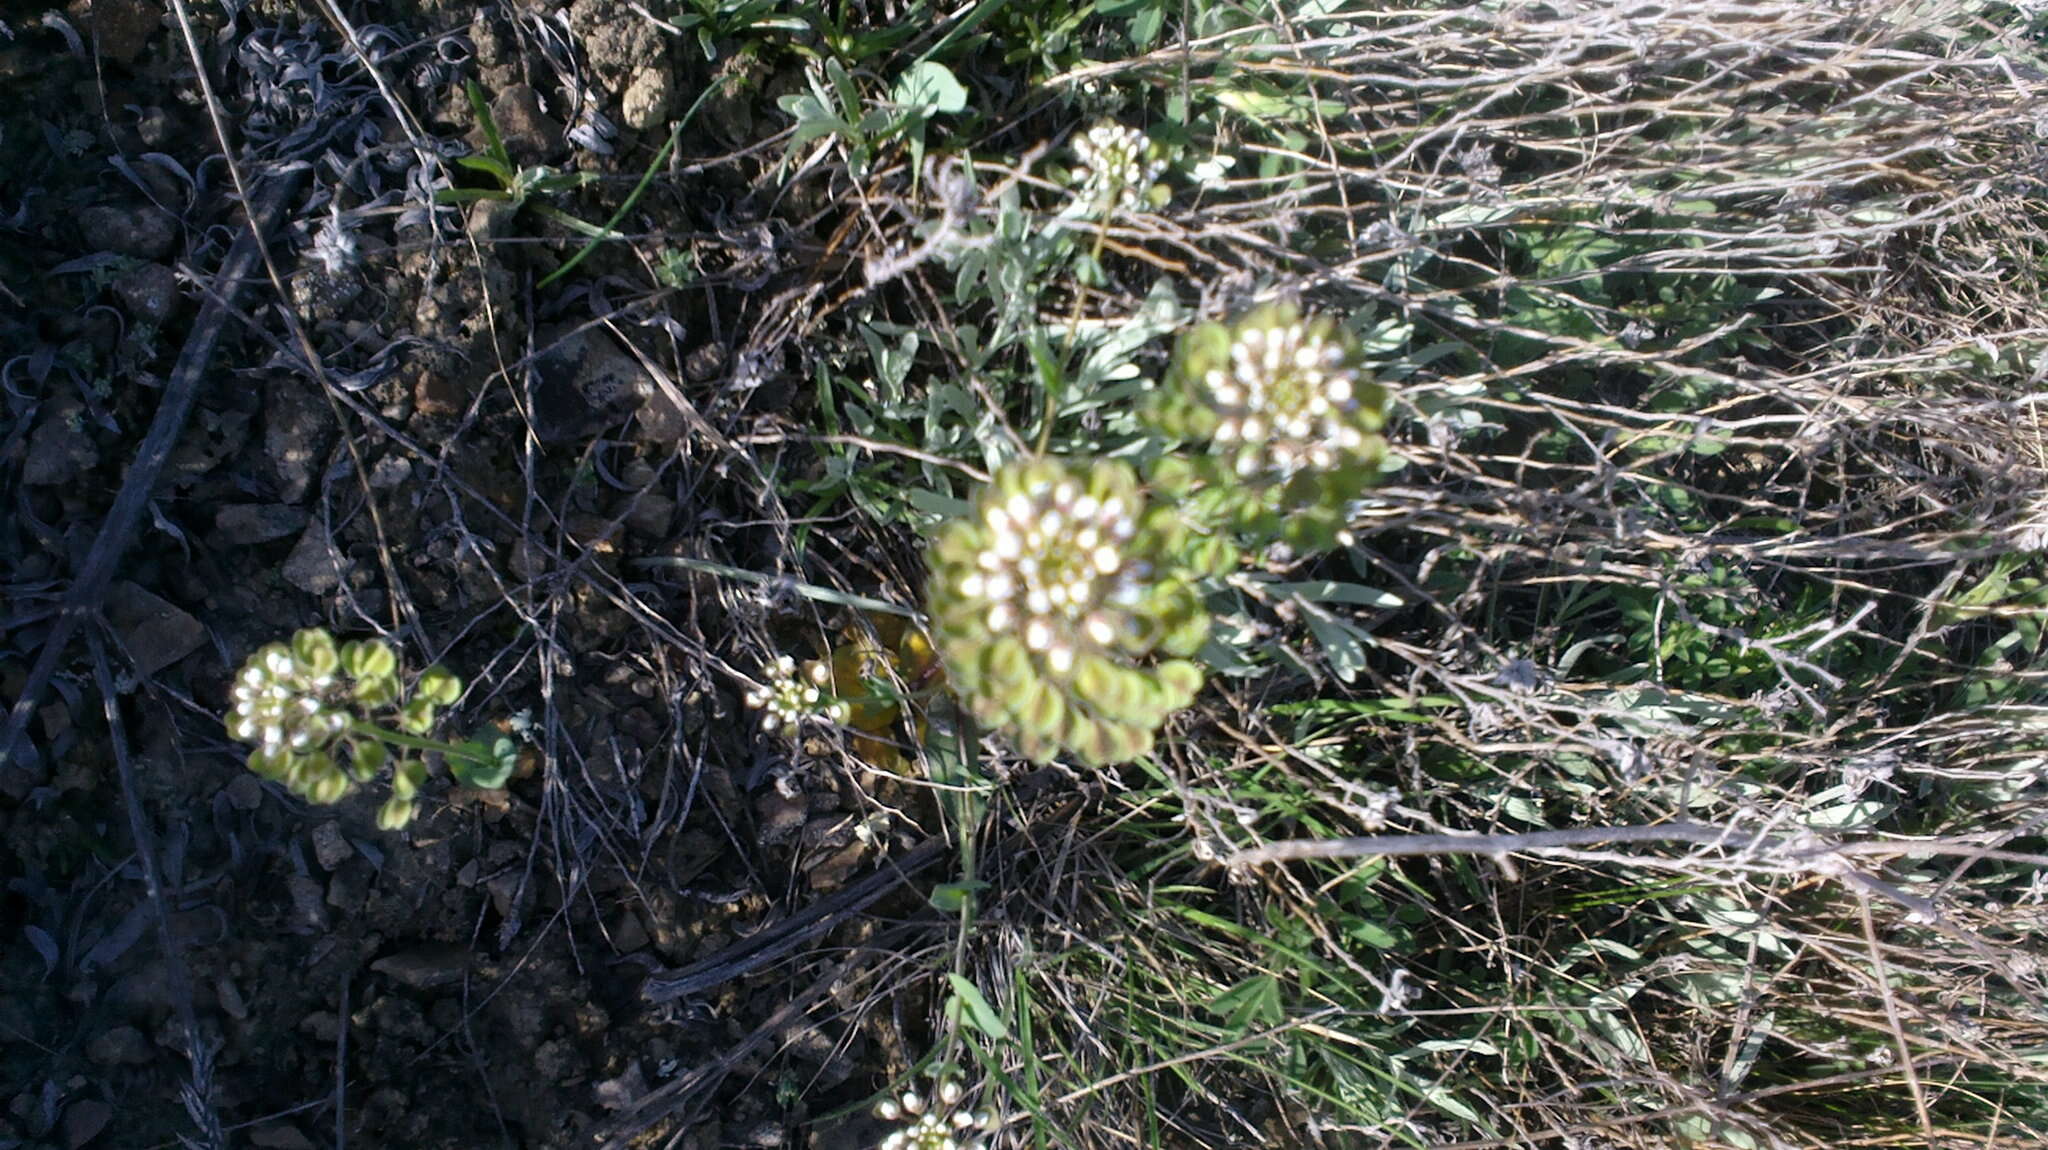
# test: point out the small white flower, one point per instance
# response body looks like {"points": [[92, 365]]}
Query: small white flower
{"points": [[791, 698], [1285, 398], [1118, 168]]}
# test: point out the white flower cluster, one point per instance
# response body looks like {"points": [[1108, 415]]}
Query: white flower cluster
{"points": [[941, 1127], [791, 697], [280, 704], [1120, 168], [1284, 399], [1055, 572]]}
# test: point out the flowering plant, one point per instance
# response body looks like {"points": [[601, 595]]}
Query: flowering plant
{"points": [[936, 1123], [1292, 420], [317, 714], [1060, 611], [1119, 171]]}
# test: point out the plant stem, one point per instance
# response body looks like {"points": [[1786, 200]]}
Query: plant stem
{"points": [[369, 730]]}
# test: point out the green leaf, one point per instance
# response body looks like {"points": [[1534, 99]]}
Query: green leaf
{"points": [[950, 897], [1255, 1002], [494, 146], [1330, 591], [929, 87], [979, 1013], [483, 765]]}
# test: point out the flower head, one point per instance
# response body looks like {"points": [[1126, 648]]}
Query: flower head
{"points": [[1290, 413], [938, 1123], [791, 697], [1119, 167], [306, 706], [1047, 601]]}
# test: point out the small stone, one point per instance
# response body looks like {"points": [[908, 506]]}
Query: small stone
{"points": [[558, 1061], [156, 633], [323, 1026], [531, 136], [83, 1121], [621, 1092], [323, 295], [330, 847], [505, 888], [243, 524], [244, 792], [778, 816], [705, 362], [661, 421], [59, 449], [296, 428], [628, 935], [349, 889], [309, 903], [645, 104], [584, 382], [832, 872], [390, 471], [150, 291], [652, 514], [231, 1000], [145, 232], [121, 1046], [425, 968], [279, 1137], [529, 560], [491, 220], [315, 566]]}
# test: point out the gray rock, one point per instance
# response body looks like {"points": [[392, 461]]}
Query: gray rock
{"points": [[144, 232], [245, 792], [121, 1046], [155, 632], [315, 566], [652, 514], [425, 968], [279, 1137], [296, 429], [330, 846], [242, 524], [150, 291], [59, 449], [585, 381], [309, 903], [83, 1121]]}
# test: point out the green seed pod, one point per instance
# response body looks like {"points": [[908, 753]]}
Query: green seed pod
{"points": [[366, 757], [406, 778], [376, 690], [1049, 602], [395, 814], [439, 686], [315, 652], [416, 717]]}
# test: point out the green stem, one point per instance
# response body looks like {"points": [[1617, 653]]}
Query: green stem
{"points": [[368, 730], [646, 178]]}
